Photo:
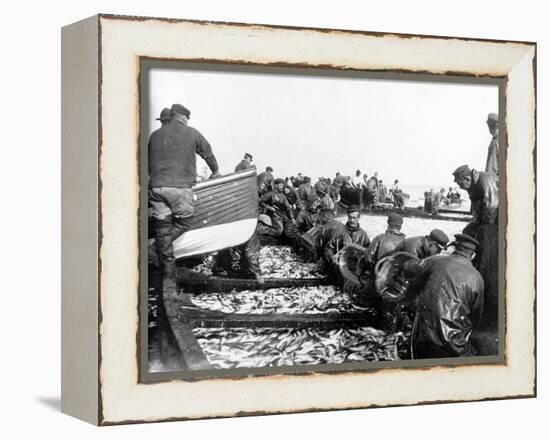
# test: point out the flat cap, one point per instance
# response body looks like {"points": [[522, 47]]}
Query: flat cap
{"points": [[492, 117], [439, 237], [248, 155], [178, 108], [279, 180], [353, 208], [467, 241], [269, 169], [395, 219], [462, 171], [306, 179], [164, 115]]}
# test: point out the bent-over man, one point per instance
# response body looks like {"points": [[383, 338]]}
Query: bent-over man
{"points": [[450, 302], [424, 246], [482, 189], [278, 208]]}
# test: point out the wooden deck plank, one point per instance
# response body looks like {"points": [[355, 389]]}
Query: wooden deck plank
{"points": [[198, 317], [192, 354], [193, 284]]}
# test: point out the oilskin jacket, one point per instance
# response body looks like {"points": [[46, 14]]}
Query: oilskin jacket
{"points": [[450, 304], [382, 245], [484, 198], [307, 198], [172, 155], [492, 156], [277, 200], [336, 236], [417, 246]]}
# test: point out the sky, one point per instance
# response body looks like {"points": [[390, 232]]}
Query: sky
{"points": [[417, 132]]}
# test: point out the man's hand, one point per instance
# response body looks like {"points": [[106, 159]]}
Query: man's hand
{"points": [[214, 175]]}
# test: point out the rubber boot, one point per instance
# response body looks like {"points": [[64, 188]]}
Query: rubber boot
{"points": [[179, 226]]}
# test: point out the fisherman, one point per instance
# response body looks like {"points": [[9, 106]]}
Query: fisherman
{"points": [[336, 236], [357, 180], [397, 195], [449, 304], [382, 192], [265, 181], [172, 173], [382, 245], [164, 117], [290, 194], [482, 187], [241, 261], [245, 164], [424, 246], [492, 153], [339, 180], [307, 204], [278, 208]]}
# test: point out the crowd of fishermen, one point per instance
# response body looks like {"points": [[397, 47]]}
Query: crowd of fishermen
{"points": [[456, 293]]}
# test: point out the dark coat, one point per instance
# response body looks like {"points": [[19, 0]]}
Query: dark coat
{"points": [[382, 245], [307, 198], [484, 199], [492, 156], [244, 165], [417, 246], [450, 304], [172, 155]]}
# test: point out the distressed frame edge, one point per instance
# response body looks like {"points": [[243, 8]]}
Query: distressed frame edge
{"points": [[533, 152], [80, 300]]}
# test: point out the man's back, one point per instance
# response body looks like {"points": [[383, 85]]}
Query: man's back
{"points": [[416, 246], [450, 301], [172, 160]]}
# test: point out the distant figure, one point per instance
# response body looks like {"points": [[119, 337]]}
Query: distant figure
{"points": [[382, 192], [424, 246], [357, 180], [339, 180], [245, 164], [492, 153], [164, 117], [278, 208], [265, 181]]}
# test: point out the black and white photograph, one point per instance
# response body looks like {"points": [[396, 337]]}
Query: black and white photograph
{"points": [[319, 218]]}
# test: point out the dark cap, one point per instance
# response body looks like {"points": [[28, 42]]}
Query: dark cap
{"points": [[462, 171], [306, 179], [395, 219], [439, 237], [178, 108], [353, 208], [467, 241], [164, 115], [269, 169], [279, 180], [492, 117], [248, 155]]}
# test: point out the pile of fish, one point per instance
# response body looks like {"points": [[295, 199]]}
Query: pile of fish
{"points": [[268, 347], [281, 262], [275, 262], [320, 299]]}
